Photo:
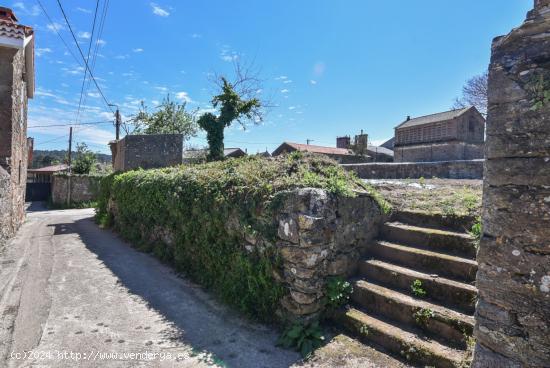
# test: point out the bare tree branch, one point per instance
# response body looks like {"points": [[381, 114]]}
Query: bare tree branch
{"points": [[474, 93]]}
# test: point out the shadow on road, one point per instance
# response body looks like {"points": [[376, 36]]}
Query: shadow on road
{"points": [[200, 321]]}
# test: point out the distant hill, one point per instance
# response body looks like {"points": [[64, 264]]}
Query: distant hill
{"points": [[42, 158]]}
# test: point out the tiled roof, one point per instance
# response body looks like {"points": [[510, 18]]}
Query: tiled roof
{"points": [[380, 149], [433, 118], [49, 169], [319, 149], [9, 29]]}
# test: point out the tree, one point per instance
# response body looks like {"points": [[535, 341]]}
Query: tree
{"points": [[170, 117], [235, 102], [474, 93], [84, 160]]}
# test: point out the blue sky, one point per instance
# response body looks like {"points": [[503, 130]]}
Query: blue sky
{"points": [[331, 67]]}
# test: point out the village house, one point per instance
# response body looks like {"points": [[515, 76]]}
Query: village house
{"points": [[16, 86], [341, 155], [446, 136]]}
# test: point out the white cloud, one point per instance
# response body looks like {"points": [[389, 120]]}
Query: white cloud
{"points": [[184, 96], [285, 90], [162, 89], [83, 10], [281, 77], [287, 81], [313, 82], [41, 51], [377, 142], [94, 94], [228, 55], [319, 68], [121, 57], [55, 27], [85, 35], [101, 42], [33, 11], [75, 70], [292, 108], [139, 49], [196, 35], [157, 10]]}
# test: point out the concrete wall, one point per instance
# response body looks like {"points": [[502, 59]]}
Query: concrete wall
{"points": [[513, 311], [13, 140], [84, 188], [443, 151], [147, 151], [472, 169]]}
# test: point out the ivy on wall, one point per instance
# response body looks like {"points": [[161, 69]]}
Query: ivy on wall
{"points": [[197, 204]]}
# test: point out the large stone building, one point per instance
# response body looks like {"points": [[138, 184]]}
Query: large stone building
{"points": [[446, 136], [16, 85]]}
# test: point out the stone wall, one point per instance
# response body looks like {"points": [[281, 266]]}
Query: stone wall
{"points": [[84, 188], [318, 235], [444, 151], [513, 311], [472, 169], [321, 235], [13, 140], [147, 151]]}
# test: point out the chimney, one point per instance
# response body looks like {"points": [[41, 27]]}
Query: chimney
{"points": [[408, 118], [343, 142], [6, 14]]}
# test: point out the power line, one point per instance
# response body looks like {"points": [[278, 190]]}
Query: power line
{"points": [[63, 125], [87, 59], [82, 55], [59, 34]]}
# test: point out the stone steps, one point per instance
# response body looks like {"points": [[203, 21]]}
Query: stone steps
{"points": [[442, 323], [435, 221], [452, 293], [424, 330], [451, 242], [453, 267], [409, 346]]}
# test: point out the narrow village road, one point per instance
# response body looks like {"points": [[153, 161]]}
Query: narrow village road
{"points": [[72, 293]]}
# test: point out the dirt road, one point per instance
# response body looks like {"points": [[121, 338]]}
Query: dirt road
{"points": [[74, 295]]}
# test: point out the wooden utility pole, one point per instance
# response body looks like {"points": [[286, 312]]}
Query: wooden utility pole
{"points": [[117, 123], [70, 163]]}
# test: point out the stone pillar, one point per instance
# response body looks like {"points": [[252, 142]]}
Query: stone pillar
{"points": [[513, 311]]}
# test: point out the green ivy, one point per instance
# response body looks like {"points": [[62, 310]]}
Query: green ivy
{"points": [[195, 203]]}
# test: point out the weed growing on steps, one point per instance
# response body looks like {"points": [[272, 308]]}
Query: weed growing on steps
{"points": [[423, 315], [364, 330], [303, 337], [417, 290], [337, 293], [476, 232]]}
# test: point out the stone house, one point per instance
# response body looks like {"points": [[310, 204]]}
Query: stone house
{"points": [[341, 155], [147, 151], [361, 146], [446, 136], [16, 86]]}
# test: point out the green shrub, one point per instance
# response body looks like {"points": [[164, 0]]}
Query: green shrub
{"points": [[195, 203], [417, 289], [304, 338]]}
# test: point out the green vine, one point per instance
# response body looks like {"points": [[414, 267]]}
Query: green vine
{"points": [[209, 211]]}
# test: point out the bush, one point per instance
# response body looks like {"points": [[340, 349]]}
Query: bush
{"points": [[196, 203]]}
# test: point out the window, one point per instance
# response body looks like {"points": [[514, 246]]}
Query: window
{"points": [[472, 126]]}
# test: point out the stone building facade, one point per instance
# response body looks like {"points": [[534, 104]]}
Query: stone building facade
{"points": [[447, 136], [16, 86], [513, 311], [147, 151]]}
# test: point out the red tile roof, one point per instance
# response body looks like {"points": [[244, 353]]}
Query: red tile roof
{"points": [[49, 169], [319, 149]]}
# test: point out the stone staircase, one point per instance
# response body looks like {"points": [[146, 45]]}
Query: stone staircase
{"points": [[430, 330]]}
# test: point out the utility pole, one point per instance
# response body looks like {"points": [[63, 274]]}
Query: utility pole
{"points": [[117, 123], [70, 163]]}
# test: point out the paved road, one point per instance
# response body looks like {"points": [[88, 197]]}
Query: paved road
{"points": [[67, 286]]}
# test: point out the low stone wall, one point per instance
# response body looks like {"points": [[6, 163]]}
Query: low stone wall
{"points": [[318, 235], [147, 151], [84, 188], [472, 169], [321, 235]]}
